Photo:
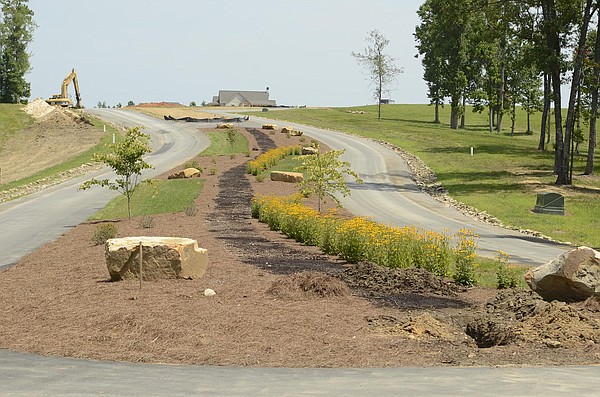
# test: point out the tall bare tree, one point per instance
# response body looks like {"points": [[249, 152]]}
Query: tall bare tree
{"points": [[380, 66]]}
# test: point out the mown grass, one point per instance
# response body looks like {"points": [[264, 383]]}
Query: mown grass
{"points": [[502, 177], [172, 195], [163, 196], [221, 146]]}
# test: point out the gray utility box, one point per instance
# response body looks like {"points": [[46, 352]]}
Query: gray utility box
{"points": [[550, 203]]}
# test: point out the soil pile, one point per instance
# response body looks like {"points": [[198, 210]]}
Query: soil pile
{"points": [[38, 108]]}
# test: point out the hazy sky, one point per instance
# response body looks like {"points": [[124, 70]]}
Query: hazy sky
{"points": [[186, 50]]}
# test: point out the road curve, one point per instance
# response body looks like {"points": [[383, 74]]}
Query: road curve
{"points": [[390, 195], [29, 222]]}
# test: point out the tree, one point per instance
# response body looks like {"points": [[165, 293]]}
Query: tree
{"points": [[130, 103], [16, 32], [127, 162], [325, 175], [380, 66]]}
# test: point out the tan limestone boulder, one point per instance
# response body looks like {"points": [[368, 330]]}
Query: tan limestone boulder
{"points": [[309, 150], [269, 126], [224, 126], [570, 277], [162, 258], [184, 174], [291, 177]]}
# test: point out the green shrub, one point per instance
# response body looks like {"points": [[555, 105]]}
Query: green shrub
{"points": [[103, 232], [506, 276], [464, 273]]}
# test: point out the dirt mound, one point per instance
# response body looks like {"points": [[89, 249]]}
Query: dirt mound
{"points": [[523, 315], [38, 108], [308, 284], [377, 278]]}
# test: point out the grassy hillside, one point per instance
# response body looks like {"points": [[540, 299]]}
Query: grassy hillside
{"points": [[501, 178], [12, 120]]}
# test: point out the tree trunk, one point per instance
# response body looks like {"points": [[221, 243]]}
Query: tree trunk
{"points": [[437, 112], [564, 175], [589, 166], [545, 112], [454, 112], [463, 115], [553, 44], [513, 118], [501, 97]]}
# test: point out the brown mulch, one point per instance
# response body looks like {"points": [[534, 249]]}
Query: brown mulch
{"points": [[278, 303]]}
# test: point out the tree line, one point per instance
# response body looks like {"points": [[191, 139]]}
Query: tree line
{"points": [[497, 54], [16, 33]]}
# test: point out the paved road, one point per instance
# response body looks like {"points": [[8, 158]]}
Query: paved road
{"points": [[389, 195], [28, 223], [33, 376]]}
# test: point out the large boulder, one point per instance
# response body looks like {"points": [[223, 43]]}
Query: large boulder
{"points": [[291, 131], [309, 150], [571, 277], [269, 126], [162, 258], [291, 177], [184, 174]]}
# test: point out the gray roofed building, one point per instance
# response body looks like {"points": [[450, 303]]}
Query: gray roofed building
{"points": [[243, 98]]}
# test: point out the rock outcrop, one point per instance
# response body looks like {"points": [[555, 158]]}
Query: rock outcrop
{"points": [[291, 177], [571, 277], [162, 258]]}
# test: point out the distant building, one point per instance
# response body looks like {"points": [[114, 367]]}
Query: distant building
{"points": [[386, 101], [243, 99]]}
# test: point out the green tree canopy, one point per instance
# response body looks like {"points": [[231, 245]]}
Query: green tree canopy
{"points": [[126, 159], [16, 32]]}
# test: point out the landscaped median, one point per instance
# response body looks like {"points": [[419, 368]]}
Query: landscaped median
{"points": [[359, 239]]}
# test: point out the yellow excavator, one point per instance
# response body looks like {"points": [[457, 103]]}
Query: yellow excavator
{"points": [[63, 99]]}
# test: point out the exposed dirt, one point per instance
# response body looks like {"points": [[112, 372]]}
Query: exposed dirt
{"points": [[56, 135], [278, 303]]}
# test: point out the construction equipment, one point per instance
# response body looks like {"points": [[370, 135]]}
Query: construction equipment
{"points": [[63, 99]]}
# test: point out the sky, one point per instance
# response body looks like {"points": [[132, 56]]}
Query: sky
{"points": [[188, 50]]}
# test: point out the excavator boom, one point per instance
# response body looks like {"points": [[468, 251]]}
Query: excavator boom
{"points": [[63, 99]]}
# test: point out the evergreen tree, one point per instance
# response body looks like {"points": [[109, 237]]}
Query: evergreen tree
{"points": [[16, 32]]}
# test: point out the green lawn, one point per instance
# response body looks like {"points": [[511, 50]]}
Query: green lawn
{"points": [[164, 196], [501, 178], [220, 144]]}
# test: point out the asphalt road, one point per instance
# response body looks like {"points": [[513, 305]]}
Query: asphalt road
{"points": [[28, 223]]}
